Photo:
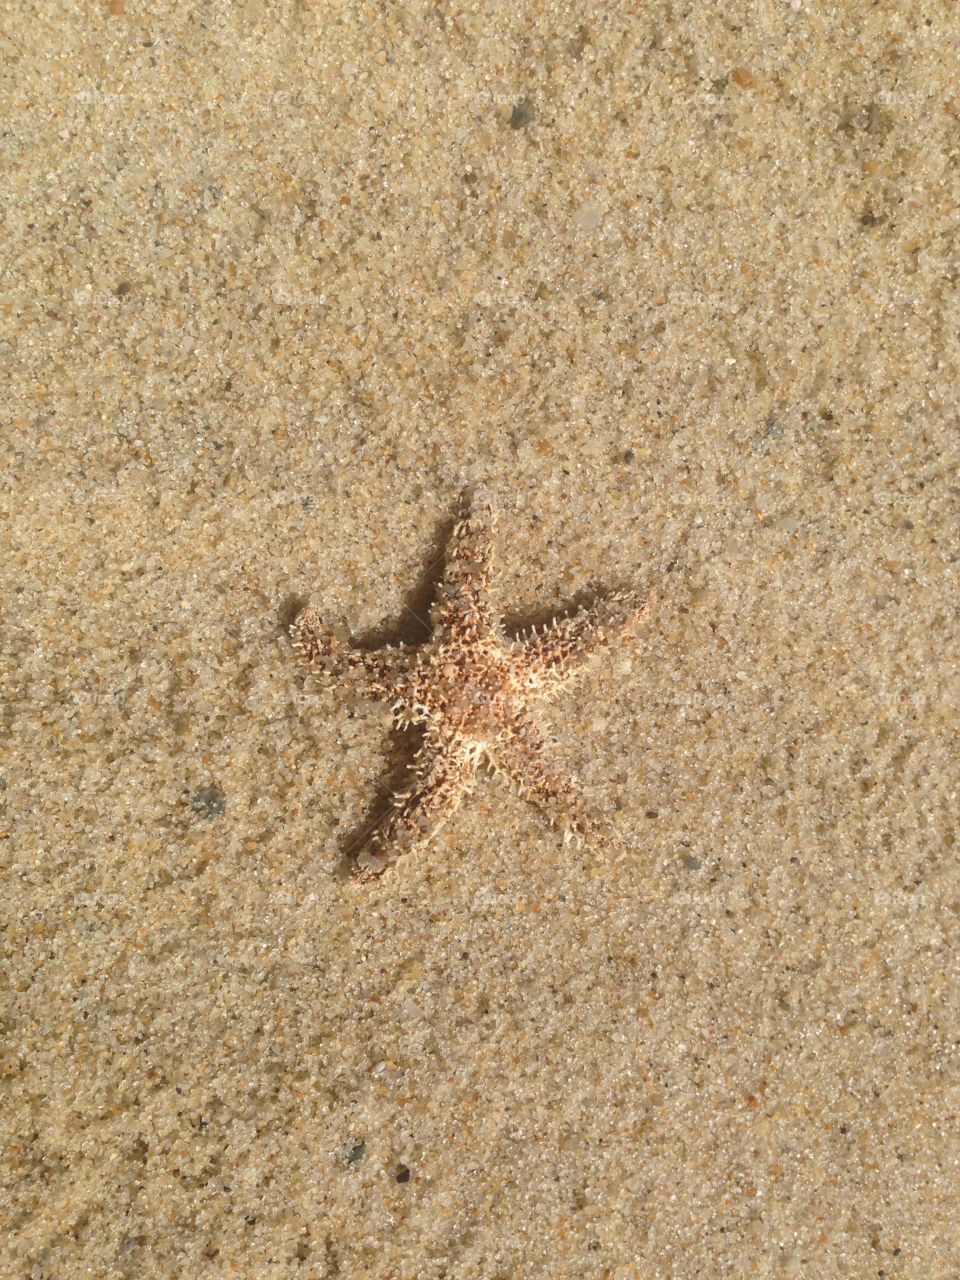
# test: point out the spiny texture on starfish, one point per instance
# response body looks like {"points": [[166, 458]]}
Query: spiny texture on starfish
{"points": [[471, 688]]}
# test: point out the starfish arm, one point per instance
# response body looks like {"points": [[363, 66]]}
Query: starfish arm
{"points": [[546, 659], [322, 652], [523, 755], [443, 774], [464, 599]]}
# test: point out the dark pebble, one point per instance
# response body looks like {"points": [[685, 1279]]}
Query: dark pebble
{"points": [[522, 115], [208, 802]]}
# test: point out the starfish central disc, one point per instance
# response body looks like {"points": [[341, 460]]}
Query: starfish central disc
{"points": [[478, 697]]}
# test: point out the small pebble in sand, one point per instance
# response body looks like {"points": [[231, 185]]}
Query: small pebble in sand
{"points": [[208, 802], [522, 115], [589, 216]]}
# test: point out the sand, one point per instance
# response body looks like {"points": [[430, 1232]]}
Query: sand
{"points": [[678, 284]]}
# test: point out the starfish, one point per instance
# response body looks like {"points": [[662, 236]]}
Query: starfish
{"points": [[471, 688]]}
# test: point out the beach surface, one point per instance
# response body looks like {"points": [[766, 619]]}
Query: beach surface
{"points": [[676, 284]]}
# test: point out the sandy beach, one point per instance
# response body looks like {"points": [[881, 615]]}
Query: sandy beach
{"points": [[676, 284]]}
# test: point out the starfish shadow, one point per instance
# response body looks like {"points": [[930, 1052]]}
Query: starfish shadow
{"points": [[411, 628]]}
